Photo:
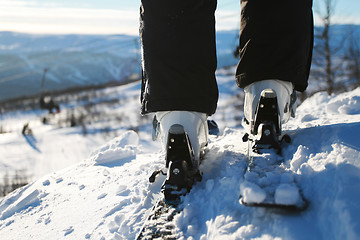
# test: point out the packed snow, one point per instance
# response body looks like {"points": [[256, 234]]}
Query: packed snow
{"points": [[252, 192], [107, 195], [287, 194]]}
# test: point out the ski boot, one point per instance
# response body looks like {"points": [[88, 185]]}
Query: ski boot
{"points": [[267, 106], [186, 136]]}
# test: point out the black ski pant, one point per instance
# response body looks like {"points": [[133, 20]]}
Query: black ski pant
{"points": [[276, 41], [179, 55], [179, 50]]}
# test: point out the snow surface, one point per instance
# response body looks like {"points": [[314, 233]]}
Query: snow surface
{"points": [[287, 194], [252, 192], [108, 195]]}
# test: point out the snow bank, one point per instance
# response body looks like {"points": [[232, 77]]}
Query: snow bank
{"points": [[22, 200], [347, 104], [106, 196], [120, 150]]}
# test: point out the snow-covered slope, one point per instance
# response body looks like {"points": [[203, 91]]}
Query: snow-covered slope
{"points": [[99, 115], [108, 196]]}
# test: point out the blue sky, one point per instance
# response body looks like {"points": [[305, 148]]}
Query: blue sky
{"points": [[117, 16]]}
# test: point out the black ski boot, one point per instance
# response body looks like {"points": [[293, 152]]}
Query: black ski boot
{"points": [[183, 170]]}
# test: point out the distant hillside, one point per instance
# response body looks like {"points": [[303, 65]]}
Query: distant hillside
{"points": [[83, 60], [70, 60], [76, 60]]}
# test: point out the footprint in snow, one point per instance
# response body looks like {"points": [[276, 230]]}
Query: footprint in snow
{"points": [[46, 182], [102, 196], [47, 220], [117, 207], [68, 231], [106, 173], [122, 191], [59, 180]]}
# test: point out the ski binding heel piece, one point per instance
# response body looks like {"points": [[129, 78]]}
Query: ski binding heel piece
{"points": [[267, 138], [266, 128], [180, 161], [267, 111]]}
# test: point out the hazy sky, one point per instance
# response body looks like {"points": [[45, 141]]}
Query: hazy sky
{"points": [[116, 16]]}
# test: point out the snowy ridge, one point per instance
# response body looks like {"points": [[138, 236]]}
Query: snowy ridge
{"points": [[108, 195]]}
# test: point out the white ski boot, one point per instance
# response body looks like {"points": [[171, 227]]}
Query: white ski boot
{"points": [[195, 125], [185, 135], [268, 104]]}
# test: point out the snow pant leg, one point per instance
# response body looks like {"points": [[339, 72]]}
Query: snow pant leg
{"points": [[276, 42], [178, 55]]}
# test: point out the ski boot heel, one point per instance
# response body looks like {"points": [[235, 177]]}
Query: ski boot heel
{"points": [[180, 161], [267, 124], [267, 111]]}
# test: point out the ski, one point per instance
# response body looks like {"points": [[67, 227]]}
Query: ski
{"points": [[159, 223], [182, 172], [267, 182]]}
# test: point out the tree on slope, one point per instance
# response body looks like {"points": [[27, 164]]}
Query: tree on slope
{"points": [[324, 52]]}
